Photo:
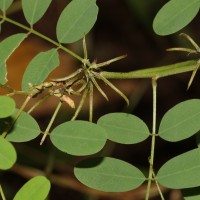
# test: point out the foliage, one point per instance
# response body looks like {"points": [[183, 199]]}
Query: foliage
{"points": [[76, 20], [182, 118], [81, 138], [7, 47], [36, 188], [35, 74], [7, 106], [34, 10], [131, 130], [175, 15], [183, 168], [108, 174], [8, 154]]}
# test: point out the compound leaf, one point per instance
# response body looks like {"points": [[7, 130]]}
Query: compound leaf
{"points": [[8, 154], [5, 4], [36, 188], [108, 174], [39, 68], [124, 128], [7, 106], [76, 20], [34, 9], [24, 129], [175, 15], [182, 171], [7, 46], [79, 137], [181, 121]]}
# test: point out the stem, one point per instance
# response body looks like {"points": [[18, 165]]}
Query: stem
{"points": [[162, 71], [30, 30], [91, 102], [16, 116], [81, 103], [51, 122], [38, 103], [2, 194], [17, 93], [159, 190], [151, 160]]}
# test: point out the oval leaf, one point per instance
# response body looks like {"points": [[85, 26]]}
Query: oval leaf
{"points": [[191, 193], [5, 4], [175, 15], [34, 9], [181, 121], [39, 68], [79, 137], [7, 46], [7, 106], [25, 129], [76, 20], [182, 171], [124, 128], [108, 174], [36, 188], [8, 154]]}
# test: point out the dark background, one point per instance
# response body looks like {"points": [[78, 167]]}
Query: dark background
{"points": [[122, 27]]}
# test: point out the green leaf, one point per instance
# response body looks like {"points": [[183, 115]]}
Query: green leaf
{"points": [[108, 174], [5, 4], [7, 46], [76, 20], [8, 154], [181, 121], [7, 106], [34, 9], [35, 189], [191, 193], [40, 67], [25, 129], [175, 15], [124, 128], [182, 171], [79, 137]]}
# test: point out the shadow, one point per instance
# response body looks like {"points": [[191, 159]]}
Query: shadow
{"points": [[191, 193], [90, 162]]}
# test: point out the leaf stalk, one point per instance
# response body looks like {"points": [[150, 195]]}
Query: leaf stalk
{"points": [[153, 137]]}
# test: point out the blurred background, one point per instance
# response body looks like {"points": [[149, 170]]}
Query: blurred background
{"points": [[122, 27]]}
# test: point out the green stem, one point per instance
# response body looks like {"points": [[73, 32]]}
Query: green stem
{"points": [[2, 194], [81, 103], [157, 72], [51, 122], [38, 103], [159, 190], [2, 19], [18, 93], [30, 30], [91, 102], [16, 116], [151, 159]]}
